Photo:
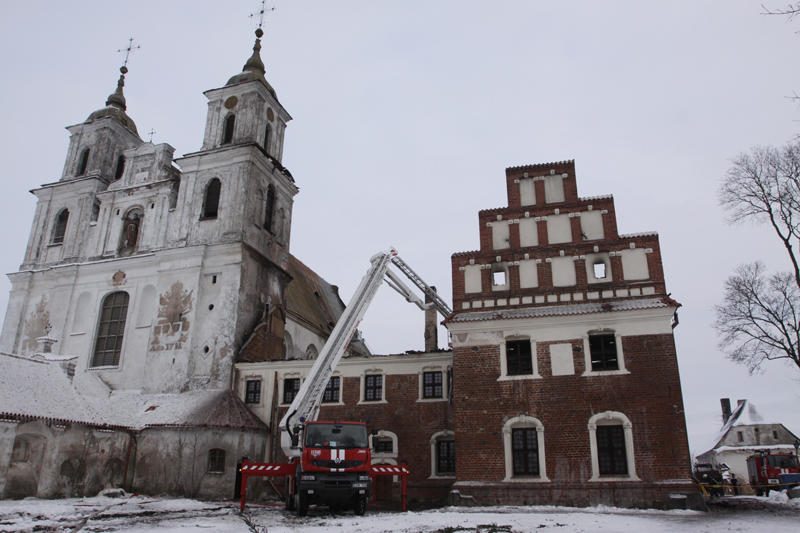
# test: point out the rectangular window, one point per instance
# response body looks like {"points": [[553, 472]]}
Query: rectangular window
{"points": [[216, 461], [603, 349], [252, 391], [775, 434], [445, 457], [739, 436], [382, 445], [332, 390], [432, 385], [518, 358], [612, 458], [373, 387], [290, 388], [525, 451]]}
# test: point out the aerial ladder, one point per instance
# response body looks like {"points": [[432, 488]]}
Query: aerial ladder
{"points": [[330, 462]]}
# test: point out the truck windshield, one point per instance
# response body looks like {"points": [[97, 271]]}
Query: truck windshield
{"points": [[782, 461], [336, 436]]}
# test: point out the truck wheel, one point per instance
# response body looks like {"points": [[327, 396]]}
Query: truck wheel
{"points": [[302, 504], [290, 503], [360, 506]]}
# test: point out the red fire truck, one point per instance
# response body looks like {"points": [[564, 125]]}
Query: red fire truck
{"points": [[772, 472], [330, 461]]}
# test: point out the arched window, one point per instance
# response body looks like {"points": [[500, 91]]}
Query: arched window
{"points": [[120, 167], [131, 225], [443, 454], [267, 137], [216, 461], [269, 208], [523, 447], [211, 200], [227, 133], [83, 162], [110, 329], [60, 228], [611, 446]]}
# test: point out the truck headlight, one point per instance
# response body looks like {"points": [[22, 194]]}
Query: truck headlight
{"points": [[363, 478]]}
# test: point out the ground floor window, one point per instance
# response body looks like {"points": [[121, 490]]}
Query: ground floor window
{"points": [[446, 457], [525, 451], [611, 444], [216, 461]]}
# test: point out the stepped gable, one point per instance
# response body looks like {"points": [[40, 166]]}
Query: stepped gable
{"points": [[550, 247]]}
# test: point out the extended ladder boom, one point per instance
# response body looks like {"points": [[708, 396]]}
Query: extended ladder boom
{"points": [[306, 404]]}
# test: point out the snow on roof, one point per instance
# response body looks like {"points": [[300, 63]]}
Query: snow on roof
{"points": [[40, 389], [745, 414], [560, 310]]}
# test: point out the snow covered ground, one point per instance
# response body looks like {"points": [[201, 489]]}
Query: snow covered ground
{"points": [[143, 514]]}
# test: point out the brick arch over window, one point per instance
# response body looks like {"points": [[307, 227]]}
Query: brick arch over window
{"points": [[211, 198], [443, 458], [110, 329], [60, 227], [611, 446], [227, 130], [523, 447]]}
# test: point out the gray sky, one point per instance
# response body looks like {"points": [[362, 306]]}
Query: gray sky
{"points": [[407, 113]]}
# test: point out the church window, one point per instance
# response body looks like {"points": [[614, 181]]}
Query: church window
{"points": [[60, 228], [603, 349], [432, 385], [120, 167], [95, 211], [525, 451], [445, 457], [110, 330], [211, 200], [269, 208], [267, 137], [131, 226], [227, 134], [382, 445], [83, 162], [252, 393], [216, 461], [373, 387], [611, 456], [21, 452]]}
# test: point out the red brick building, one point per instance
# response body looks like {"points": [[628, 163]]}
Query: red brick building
{"points": [[562, 386], [566, 383]]}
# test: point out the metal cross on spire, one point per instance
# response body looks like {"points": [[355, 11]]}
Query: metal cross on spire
{"points": [[151, 133], [128, 51], [260, 13]]}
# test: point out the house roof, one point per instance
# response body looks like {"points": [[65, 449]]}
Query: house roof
{"points": [[561, 310], [315, 302], [41, 389], [745, 414]]}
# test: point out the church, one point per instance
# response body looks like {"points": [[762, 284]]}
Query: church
{"points": [[160, 308]]}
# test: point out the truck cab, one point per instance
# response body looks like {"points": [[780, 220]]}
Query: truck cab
{"points": [[334, 466]]}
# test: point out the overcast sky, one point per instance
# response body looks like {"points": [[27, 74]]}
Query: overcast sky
{"points": [[407, 113]]}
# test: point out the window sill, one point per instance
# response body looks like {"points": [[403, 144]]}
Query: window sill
{"points": [[591, 373], [371, 402], [54, 244], [431, 400], [215, 473], [519, 377], [518, 479], [453, 476], [201, 219], [323, 404], [105, 367], [603, 479]]}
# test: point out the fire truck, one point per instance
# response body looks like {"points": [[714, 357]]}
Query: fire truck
{"points": [[772, 472], [330, 462]]}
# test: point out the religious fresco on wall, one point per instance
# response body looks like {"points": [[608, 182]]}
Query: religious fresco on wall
{"points": [[37, 325], [172, 329]]}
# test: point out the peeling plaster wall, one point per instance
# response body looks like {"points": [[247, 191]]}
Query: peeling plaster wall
{"points": [[175, 461], [60, 461]]}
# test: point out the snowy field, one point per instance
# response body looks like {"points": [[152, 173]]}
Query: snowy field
{"points": [[142, 514]]}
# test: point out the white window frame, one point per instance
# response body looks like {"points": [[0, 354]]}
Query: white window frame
{"points": [[436, 437], [587, 355], [383, 457], [420, 384], [282, 382], [520, 422], [363, 381], [612, 418], [341, 390], [504, 363]]}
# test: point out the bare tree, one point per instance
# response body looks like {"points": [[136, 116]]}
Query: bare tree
{"points": [[759, 317], [790, 11]]}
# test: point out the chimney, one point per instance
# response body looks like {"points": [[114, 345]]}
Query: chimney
{"points": [[726, 409], [431, 327]]}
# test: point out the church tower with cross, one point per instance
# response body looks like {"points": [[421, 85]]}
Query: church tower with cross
{"points": [[143, 276]]}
